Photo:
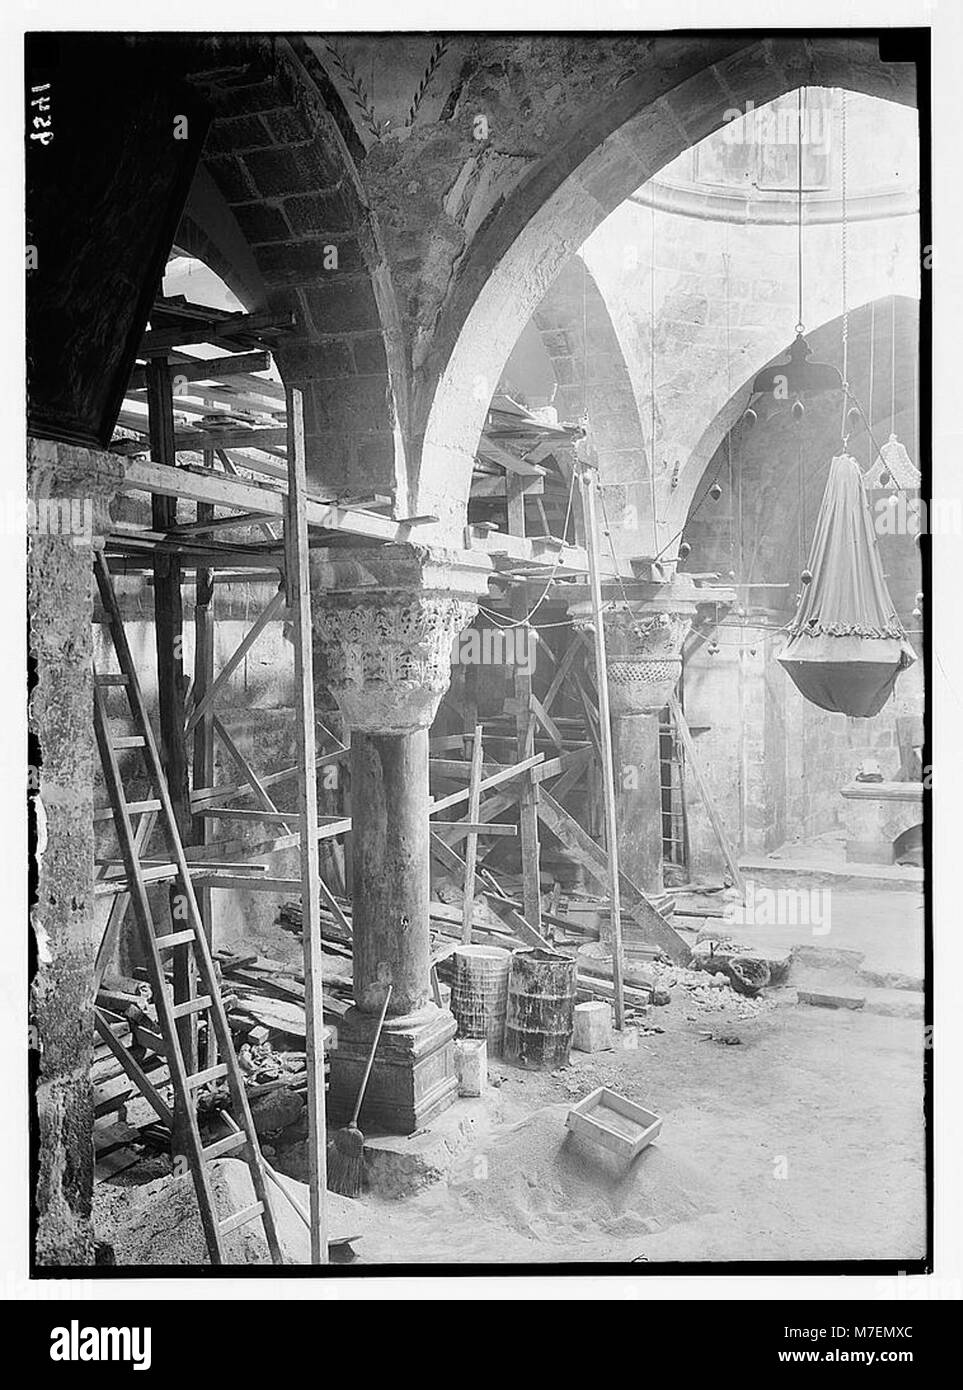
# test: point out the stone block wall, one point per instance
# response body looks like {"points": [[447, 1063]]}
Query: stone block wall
{"points": [[59, 588]]}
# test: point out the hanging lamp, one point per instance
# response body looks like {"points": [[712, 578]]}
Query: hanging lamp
{"points": [[846, 643], [894, 467], [797, 374]]}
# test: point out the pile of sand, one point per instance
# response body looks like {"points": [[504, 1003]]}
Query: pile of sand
{"points": [[158, 1223], [541, 1181]]}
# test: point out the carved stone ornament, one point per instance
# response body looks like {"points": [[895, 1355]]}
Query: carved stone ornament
{"points": [[643, 644], [386, 656], [644, 659]]}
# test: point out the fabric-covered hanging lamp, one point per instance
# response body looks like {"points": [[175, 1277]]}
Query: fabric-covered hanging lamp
{"points": [[846, 644]]}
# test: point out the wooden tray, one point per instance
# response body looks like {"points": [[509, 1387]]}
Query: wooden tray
{"points": [[614, 1122]]}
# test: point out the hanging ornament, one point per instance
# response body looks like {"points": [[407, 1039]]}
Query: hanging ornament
{"points": [[750, 418], [806, 577], [715, 492], [846, 644], [685, 550], [797, 374], [894, 464]]}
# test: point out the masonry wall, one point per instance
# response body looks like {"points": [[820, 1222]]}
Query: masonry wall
{"points": [[773, 761], [59, 579]]}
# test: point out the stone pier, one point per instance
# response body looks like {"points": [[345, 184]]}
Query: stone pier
{"points": [[68, 490], [644, 637], [384, 621]]}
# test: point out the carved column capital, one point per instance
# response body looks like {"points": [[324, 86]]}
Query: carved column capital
{"points": [[643, 641], [384, 621]]}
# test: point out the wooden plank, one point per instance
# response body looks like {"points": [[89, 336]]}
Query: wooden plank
{"points": [[496, 453], [496, 778], [118, 908], [133, 1069], [168, 634], [451, 832], [561, 671], [147, 476], [546, 721], [272, 612], [503, 910], [471, 848], [203, 751], [589, 481], [594, 860], [479, 827], [206, 369], [265, 527], [525, 728], [692, 759], [196, 439], [299, 603]]}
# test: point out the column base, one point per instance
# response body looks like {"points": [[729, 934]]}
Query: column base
{"points": [[413, 1078]]}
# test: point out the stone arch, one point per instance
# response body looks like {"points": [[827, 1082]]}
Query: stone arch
{"points": [[278, 209], [642, 125], [579, 337], [778, 501]]}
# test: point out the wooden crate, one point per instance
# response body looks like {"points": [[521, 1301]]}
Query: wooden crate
{"points": [[614, 1122]]}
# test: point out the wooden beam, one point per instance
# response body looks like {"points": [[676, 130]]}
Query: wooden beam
{"points": [[168, 635], [589, 481], [594, 860], [471, 848], [299, 603], [273, 611], [206, 369], [497, 777], [504, 911], [133, 1070], [525, 728], [254, 782], [692, 761]]}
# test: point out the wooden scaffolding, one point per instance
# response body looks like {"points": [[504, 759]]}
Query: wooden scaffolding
{"points": [[205, 429]]}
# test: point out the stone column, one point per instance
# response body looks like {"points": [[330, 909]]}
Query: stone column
{"points": [[68, 490], [384, 621], [644, 638]]}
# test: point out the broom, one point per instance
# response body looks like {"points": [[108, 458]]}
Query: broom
{"points": [[346, 1150]]}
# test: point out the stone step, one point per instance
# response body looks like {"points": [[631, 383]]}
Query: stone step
{"points": [[889, 1003]]}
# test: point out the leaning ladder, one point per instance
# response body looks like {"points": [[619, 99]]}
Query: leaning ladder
{"points": [[244, 1141]]}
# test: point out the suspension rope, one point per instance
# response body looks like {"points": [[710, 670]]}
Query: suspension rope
{"points": [[799, 209], [844, 235], [892, 368], [652, 502]]}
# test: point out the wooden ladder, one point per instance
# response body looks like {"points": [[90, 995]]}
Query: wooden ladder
{"points": [[244, 1142]]}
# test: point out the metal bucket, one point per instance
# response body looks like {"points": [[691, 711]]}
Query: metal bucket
{"points": [[541, 1009], [479, 994]]}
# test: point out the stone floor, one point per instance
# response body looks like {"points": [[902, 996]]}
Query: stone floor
{"points": [[802, 1141]]}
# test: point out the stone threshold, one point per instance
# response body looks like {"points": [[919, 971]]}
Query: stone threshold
{"points": [[799, 872]]}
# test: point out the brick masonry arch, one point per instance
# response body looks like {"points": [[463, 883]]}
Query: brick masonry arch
{"points": [[279, 211], [641, 125]]}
